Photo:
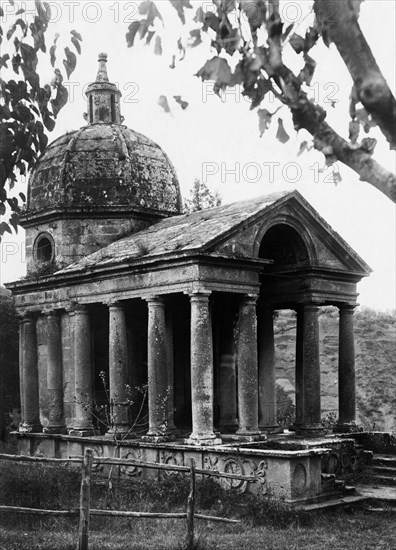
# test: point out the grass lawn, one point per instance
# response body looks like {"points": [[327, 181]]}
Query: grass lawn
{"points": [[265, 523], [357, 530]]}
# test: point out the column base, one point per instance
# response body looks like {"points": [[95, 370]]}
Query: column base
{"points": [[315, 430], [83, 431], [26, 428], [246, 437], [346, 428], [203, 440], [158, 438], [120, 434], [271, 429], [55, 430]]}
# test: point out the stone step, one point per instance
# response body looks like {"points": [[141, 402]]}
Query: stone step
{"points": [[378, 494], [389, 481], [383, 470], [384, 460], [335, 502]]}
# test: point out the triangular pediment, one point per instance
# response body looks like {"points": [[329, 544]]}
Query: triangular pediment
{"points": [[327, 248]]}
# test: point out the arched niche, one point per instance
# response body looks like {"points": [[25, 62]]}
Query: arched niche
{"points": [[285, 246]]}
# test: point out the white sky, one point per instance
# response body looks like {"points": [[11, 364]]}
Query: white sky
{"points": [[218, 141]]}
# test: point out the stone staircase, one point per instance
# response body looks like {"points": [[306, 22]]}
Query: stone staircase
{"points": [[382, 471]]}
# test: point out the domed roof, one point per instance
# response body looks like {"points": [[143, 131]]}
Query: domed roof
{"points": [[104, 166]]}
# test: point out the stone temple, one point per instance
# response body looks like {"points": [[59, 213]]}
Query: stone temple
{"points": [[163, 321]]}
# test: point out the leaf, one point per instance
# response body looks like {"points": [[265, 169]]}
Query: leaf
{"points": [[20, 11], [255, 12], [297, 42], [182, 49], [148, 8], [29, 56], [3, 60], [368, 145], [149, 37], [14, 221], [281, 134], [179, 6], [265, 118], [158, 46], [10, 32], [75, 35], [70, 62], [5, 228], [43, 11], [49, 122], [21, 23], [216, 69], [52, 54], [196, 38], [163, 102], [76, 44], [354, 128], [23, 197], [131, 34], [311, 38], [183, 104], [60, 100], [306, 74], [303, 147], [363, 117]]}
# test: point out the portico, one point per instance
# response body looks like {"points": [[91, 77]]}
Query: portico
{"points": [[224, 365]]}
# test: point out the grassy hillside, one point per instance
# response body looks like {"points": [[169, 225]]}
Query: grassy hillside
{"points": [[375, 337]]}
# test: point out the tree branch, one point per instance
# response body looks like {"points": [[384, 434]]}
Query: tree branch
{"points": [[311, 117], [373, 92]]}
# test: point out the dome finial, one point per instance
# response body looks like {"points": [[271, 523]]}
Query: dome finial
{"points": [[103, 98], [102, 70]]}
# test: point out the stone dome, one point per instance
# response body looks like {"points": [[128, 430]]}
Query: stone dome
{"points": [[104, 166]]}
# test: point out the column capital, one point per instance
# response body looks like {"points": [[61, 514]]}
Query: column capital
{"points": [[200, 295], [248, 299], [115, 304], [155, 300], [51, 312], [310, 306], [347, 308], [76, 308]]}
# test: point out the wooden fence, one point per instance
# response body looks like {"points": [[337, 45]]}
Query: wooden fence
{"points": [[85, 511]]}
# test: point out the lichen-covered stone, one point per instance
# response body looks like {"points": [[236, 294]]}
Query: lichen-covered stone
{"points": [[104, 165]]}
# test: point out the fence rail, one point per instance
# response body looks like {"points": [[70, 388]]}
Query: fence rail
{"points": [[85, 511]]}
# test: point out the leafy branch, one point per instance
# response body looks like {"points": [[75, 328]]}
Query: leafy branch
{"points": [[28, 109], [252, 34]]}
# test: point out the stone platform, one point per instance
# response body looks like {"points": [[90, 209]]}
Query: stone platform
{"points": [[287, 468]]}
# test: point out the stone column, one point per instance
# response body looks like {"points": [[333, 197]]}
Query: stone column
{"points": [[227, 398], [157, 367], [201, 372], [247, 369], [311, 425], [118, 370], [346, 372], [266, 370], [170, 375], [29, 376], [83, 383], [299, 373], [56, 422]]}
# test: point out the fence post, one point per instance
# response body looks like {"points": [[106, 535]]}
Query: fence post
{"points": [[191, 507], [85, 497]]}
